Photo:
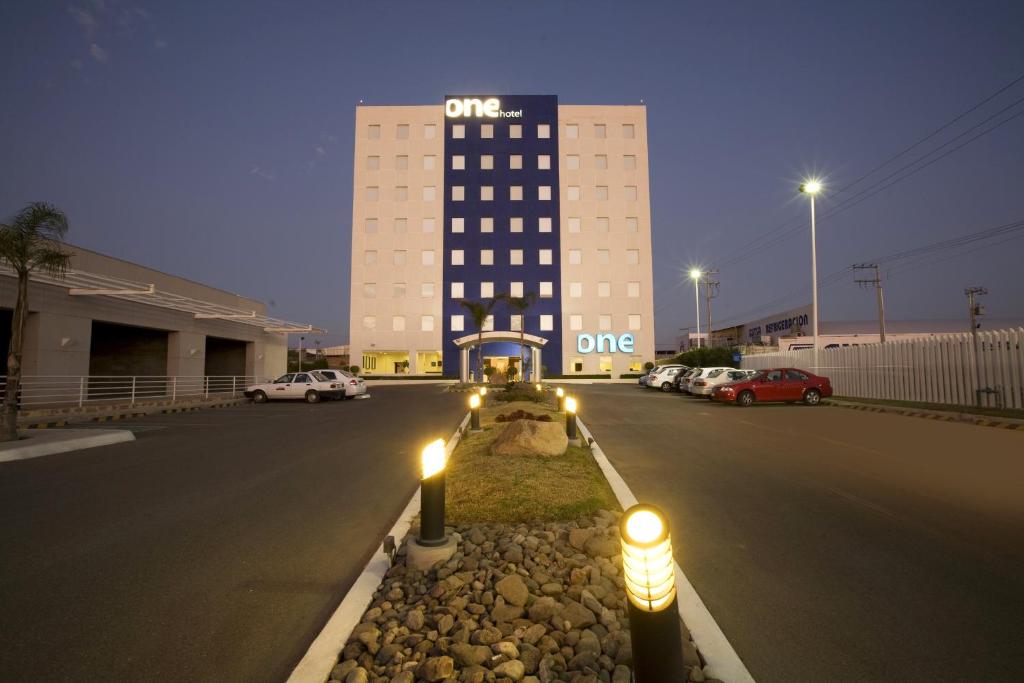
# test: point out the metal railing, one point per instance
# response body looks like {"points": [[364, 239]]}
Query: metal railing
{"points": [[79, 391]]}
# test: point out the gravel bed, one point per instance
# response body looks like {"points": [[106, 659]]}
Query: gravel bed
{"points": [[527, 603]]}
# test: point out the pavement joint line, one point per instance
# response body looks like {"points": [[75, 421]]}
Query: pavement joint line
{"points": [[722, 661], [905, 412], [322, 655]]}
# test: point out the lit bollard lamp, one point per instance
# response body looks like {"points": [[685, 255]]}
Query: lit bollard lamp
{"points": [[539, 388], [649, 574], [560, 398], [483, 395], [474, 412], [570, 419], [432, 545]]}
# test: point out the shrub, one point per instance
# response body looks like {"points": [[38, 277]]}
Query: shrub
{"points": [[522, 415], [705, 357], [518, 392], [648, 366]]}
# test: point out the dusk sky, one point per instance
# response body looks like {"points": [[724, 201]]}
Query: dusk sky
{"points": [[214, 140]]}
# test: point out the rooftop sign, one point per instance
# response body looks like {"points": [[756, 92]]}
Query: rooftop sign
{"points": [[475, 107]]}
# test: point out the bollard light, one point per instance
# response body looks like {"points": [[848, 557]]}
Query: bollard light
{"points": [[570, 417], [474, 412], [539, 387], [434, 459], [648, 571], [560, 398]]}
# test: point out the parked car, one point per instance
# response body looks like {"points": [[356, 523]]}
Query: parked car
{"points": [[665, 378], [682, 385], [776, 385], [708, 379], [296, 385], [645, 380], [354, 386]]}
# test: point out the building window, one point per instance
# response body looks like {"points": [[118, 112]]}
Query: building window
{"points": [[458, 193], [577, 364], [600, 131], [573, 193], [398, 257], [543, 131], [572, 162], [515, 289], [487, 193], [515, 224], [426, 323], [515, 161], [398, 290], [369, 322], [458, 257], [428, 225], [634, 321], [575, 257], [402, 163], [515, 193], [370, 225], [401, 226], [628, 131], [603, 224], [487, 130], [544, 257], [398, 323], [547, 323], [515, 257], [458, 162], [372, 163], [576, 290], [544, 193], [601, 191], [575, 224], [576, 322], [429, 193], [372, 193], [458, 131], [604, 289], [458, 224], [544, 224], [572, 130], [515, 131], [604, 322], [369, 290], [426, 290], [370, 257], [544, 162], [458, 290], [427, 257], [486, 290], [604, 363], [486, 162], [457, 323], [515, 323], [633, 256], [488, 325], [601, 161], [547, 290], [402, 131], [633, 290], [429, 131], [486, 225], [636, 363], [603, 256], [630, 193], [373, 131], [401, 193], [632, 224], [486, 257], [429, 162], [629, 162]]}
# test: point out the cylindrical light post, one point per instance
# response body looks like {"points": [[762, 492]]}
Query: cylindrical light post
{"points": [[483, 395], [432, 495], [812, 188], [649, 574], [560, 398], [474, 412], [695, 274], [570, 418], [539, 388]]}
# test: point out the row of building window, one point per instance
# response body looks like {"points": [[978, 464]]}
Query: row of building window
{"points": [[515, 131], [545, 290], [516, 257], [573, 162], [546, 323], [515, 193], [574, 224]]}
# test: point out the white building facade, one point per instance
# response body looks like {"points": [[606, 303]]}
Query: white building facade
{"points": [[488, 196]]}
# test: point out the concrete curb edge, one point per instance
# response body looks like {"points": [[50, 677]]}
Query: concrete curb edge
{"points": [[97, 437], [941, 415], [315, 666], [722, 660]]}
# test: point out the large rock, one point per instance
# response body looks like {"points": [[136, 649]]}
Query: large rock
{"points": [[513, 589], [529, 437]]}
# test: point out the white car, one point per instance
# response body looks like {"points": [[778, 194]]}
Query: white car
{"points": [[703, 382], [354, 386], [664, 377], [296, 385]]}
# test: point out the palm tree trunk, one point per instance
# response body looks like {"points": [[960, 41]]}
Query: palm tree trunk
{"points": [[10, 413], [480, 355], [522, 349]]}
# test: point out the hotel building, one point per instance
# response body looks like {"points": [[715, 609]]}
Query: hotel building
{"points": [[483, 196]]}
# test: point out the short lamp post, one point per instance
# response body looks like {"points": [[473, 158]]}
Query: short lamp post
{"points": [[649, 574], [560, 398], [538, 387], [570, 418], [432, 495], [474, 412], [483, 395]]}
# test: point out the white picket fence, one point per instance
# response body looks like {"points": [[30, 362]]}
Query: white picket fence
{"points": [[939, 369]]}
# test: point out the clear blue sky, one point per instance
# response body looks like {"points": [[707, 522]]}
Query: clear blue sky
{"points": [[214, 140]]}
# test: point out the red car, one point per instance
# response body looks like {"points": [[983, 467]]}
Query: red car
{"points": [[776, 385]]}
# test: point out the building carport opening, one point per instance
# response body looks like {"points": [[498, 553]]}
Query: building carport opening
{"points": [[501, 351], [225, 357], [124, 351]]}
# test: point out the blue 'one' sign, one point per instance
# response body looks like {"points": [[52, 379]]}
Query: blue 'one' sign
{"points": [[604, 343]]}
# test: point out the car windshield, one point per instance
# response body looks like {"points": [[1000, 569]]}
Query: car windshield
{"points": [[716, 373], [284, 379], [323, 376], [737, 375]]}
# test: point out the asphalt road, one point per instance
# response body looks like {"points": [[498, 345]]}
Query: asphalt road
{"points": [[832, 544], [213, 548]]}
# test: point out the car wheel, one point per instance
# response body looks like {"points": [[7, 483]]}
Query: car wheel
{"points": [[312, 397], [666, 386], [259, 397], [812, 397], [745, 399]]}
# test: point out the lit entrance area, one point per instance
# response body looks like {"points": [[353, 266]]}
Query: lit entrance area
{"points": [[501, 351], [502, 365], [385, 363], [428, 363]]}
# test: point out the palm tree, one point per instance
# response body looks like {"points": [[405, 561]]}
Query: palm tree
{"points": [[28, 243], [479, 310], [520, 304]]}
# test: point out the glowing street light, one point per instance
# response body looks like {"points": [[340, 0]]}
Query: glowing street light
{"points": [[560, 398], [695, 276], [538, 387], [811, 187], [648, 571], [474, 412], [570, 418], [434, 459]]}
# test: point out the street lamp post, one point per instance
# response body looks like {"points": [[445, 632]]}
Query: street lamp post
{"points": [[811, 188], [570, 418], [695, 275], [301, 340]]}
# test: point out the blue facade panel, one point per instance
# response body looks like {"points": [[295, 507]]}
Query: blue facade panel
{"points": [[536, 110]]}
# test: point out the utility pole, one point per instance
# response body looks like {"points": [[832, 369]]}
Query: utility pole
{"points": [[876, 281], [710, 292], [976, 311]]}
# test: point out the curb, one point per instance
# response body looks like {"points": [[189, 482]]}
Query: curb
{"points": [[124, 416], [962, 418], [315, 666], [96, 437], [722, 661]]}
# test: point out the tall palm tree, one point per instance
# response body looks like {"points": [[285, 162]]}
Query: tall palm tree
{"points": [[520, 304], [479, 310], [28, 243]]}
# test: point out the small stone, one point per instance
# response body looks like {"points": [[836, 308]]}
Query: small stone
{"points": [[503, 647], [387, 653], [543, 609], [603, 547], [506, 613], [486, 636], [590, 602], [589, 643], [696, 674], [577, 615], [366, 634], [578, 537], [404, 677], [513, 590], [470, 655], [513, 669], [445, 623], [551, 588], [414, 620], [436, 669], [534, 633], [340, 671], [357, 675], [476, 536]]}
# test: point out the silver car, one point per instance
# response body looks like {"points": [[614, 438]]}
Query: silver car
{"points": [[354, 386]]}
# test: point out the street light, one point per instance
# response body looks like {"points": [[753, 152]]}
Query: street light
{"points": [[812, 187], [432, 495], [560, 398], [570, 418], [695, 275], [474, 412], [648, 572]]}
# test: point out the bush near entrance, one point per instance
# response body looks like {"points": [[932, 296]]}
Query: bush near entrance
{"points": [[703, 358]]}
